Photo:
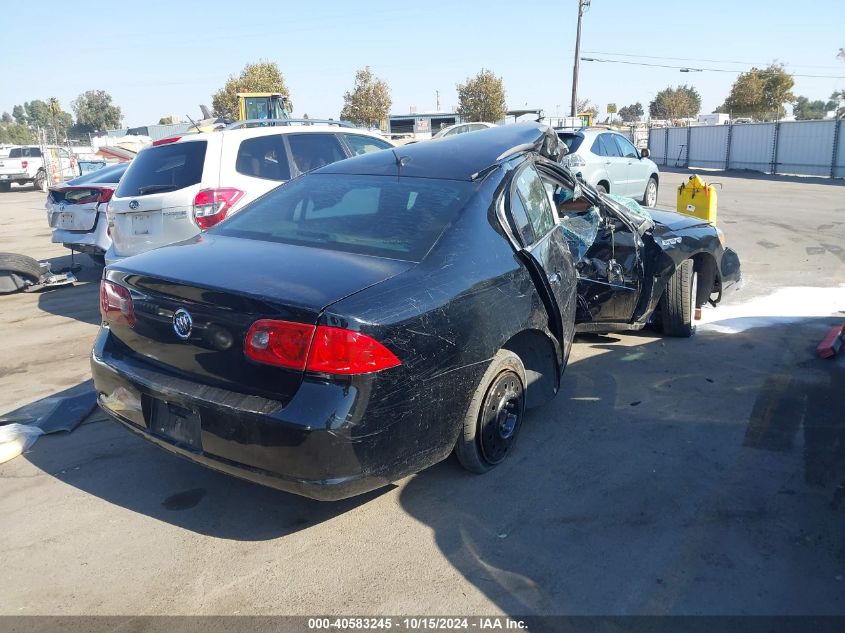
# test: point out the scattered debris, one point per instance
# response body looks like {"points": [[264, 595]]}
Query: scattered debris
{"points": [[16, 438], [21, 428], [832, 342], [21, 273]]}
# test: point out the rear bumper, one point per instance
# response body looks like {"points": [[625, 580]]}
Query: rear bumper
{"points": [[96, 240], [16, 177], [312, 446]]}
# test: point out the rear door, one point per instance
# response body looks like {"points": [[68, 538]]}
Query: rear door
{"points": [[253, 165], [312, 150], [153, 204], [637, 172], [546, 252], [615, 165]]}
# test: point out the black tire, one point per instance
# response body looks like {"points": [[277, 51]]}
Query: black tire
{"points": [[99, 258], [17, 272], [677, 305], [645, 199], [5, 187], [40, 181], [601, 189], [486, 440]]}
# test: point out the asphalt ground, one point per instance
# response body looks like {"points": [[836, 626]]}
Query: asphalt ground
{"points": [[667, 477]]}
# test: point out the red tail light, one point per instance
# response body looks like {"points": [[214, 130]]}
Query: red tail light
{"points": [[105, 194], [116, 304], [24, 163], [212, 205], [321, 349], [338, 351], [166, 141], [280, 343]]}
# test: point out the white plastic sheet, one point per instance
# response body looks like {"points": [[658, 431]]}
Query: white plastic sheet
{"points": [[16, 439]]}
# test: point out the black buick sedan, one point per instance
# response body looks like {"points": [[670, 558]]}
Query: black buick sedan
{"points": [[363, 321]]}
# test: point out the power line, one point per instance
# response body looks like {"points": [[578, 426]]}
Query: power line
{"points": [[690, 69], [695, 59]]}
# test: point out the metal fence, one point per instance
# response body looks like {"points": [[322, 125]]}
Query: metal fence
{"points": [[806, 148]]}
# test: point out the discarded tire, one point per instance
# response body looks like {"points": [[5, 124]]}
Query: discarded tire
{"points": [[17, 272], [40, 181]]}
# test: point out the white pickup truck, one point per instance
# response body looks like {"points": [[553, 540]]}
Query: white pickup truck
{"points": [[25, 164]]}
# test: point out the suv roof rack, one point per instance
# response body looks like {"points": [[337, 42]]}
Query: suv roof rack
{"points": [[237, 125]]}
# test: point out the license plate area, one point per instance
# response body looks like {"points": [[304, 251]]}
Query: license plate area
{"points": [[66, 220], [176, 424], [142, 223]]}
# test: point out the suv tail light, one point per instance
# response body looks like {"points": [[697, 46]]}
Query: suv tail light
{"points": [[166, 141], [323, 349], [212, 205], [24, 163], [116, 304]]}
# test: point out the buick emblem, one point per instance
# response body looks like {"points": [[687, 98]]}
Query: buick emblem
{"points": [[134, 205], [182, 324], [62, 205]]}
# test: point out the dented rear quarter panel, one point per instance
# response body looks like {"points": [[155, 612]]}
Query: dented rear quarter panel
{"points": [[445, 319]]}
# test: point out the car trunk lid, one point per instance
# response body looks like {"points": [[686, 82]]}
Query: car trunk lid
{"points": [[226, 284], [153, 204], [74, 208]]}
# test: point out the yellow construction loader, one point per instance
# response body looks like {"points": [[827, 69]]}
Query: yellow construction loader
{"points": [[262, 105]]}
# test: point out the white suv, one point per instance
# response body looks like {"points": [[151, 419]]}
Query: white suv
{"points": [[609, 162], [173, 191]]}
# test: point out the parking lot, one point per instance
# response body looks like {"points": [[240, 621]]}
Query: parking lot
{"points": [[669, 476]]}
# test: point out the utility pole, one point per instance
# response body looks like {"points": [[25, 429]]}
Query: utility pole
{"points": [[582, 4]]}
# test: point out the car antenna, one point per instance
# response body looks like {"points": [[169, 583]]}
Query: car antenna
{"points": [[194, 122], [401, 161]]}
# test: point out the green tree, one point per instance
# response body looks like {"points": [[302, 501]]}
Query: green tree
{"points": [[166, 120], [261, 76], [839, 96], [95, 112], [760, 93], [675, 103], [368, 102], [15, 133], [19, 114], [43, 114], [6, 118], [805, 110], [482, 98], [631, 112]]}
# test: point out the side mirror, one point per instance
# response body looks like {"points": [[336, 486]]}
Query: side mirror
{"points": [[645, 153]]}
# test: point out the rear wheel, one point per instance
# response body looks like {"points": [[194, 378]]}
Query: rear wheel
{"points": [[601, 188], [495, 414], [40, 181], [5, 187], [650, 195], [678, 303], [99, 258]]}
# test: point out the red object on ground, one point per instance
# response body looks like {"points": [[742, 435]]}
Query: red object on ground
{"points": [[832, 342]]}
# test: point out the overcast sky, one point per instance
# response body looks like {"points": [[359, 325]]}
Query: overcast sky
{"points": [[159, 58]]}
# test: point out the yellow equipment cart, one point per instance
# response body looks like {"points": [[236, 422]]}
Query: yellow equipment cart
{"points": [[697, 198]]}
